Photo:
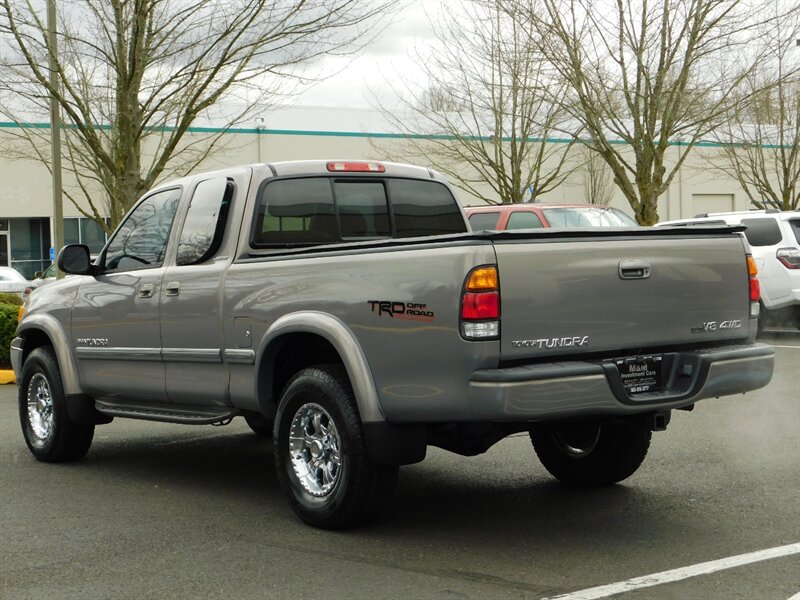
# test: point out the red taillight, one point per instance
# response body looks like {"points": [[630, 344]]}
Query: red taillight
{"points": [[755, 287], [356, 167], [480, 304], [755, 290], [483, 305], [789, 257]]}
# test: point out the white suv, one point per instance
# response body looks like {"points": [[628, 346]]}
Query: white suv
{"points": [[774, 238]]}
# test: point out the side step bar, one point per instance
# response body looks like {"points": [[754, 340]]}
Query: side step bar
{"points": [[167, 413]]}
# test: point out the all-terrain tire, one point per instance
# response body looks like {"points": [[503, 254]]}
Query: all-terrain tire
{"points": [[321, 455], [48, 432]]}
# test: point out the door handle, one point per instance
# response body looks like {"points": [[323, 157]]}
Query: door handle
{"points": [[634, 269], [173, 288], [146, 290]]}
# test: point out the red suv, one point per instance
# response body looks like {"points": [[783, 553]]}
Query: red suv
{"points": [[536, 216]]}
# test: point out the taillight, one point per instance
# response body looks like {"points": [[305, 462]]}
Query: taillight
{"points": [[789, 257], [356, 167], [480, 304], [755, 287]]}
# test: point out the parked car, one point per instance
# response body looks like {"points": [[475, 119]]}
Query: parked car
{"points": [[12, 282], [774, 238], [40, 279], [537, 216]]}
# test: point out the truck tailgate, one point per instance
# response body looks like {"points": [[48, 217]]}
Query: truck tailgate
{"points": [[590, 293]]}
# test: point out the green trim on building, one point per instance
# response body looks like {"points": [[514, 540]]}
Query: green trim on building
{"points": [[356, 134]]}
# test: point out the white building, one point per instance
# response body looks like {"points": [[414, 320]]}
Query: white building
{"points": [[293, 133]]}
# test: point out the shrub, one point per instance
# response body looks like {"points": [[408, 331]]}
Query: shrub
{"points": [[10, 299], [8, 324]]}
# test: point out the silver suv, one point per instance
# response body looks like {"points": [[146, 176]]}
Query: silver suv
{"points": [[774, 238]]}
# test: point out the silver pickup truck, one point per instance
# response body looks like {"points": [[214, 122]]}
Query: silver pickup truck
{"points": [[345, 310]]}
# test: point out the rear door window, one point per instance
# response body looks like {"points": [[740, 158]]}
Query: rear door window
{"points": [[524, 220], [484, 220], [762, 232], [205, 221]]}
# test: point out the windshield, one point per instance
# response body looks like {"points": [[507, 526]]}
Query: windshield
{"points": [[587, 216]]}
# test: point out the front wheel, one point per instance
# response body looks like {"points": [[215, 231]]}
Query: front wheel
{"points": [[320, 454], [48, 432], [591, 454]]}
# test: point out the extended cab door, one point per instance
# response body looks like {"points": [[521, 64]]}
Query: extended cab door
{"points": [[191, 297], [115, 319]]}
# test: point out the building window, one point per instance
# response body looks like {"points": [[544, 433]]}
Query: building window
{"points": [[29, 245], [85, 231]]}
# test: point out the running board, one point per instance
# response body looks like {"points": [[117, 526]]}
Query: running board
{"points": [[167, 413]]}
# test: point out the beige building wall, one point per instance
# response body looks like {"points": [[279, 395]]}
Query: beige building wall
{"points": [[25, 185]]}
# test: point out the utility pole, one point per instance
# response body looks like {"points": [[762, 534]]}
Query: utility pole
{"points": [[55, 136]]}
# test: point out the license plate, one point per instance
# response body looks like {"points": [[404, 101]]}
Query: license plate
{"points": [[640, 374]]}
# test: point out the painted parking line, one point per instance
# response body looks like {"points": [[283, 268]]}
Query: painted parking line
{"points": [[795, 597], [705, 568], [777, 346]]}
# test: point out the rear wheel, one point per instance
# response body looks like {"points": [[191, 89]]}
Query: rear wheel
{"points": [[320, 453], [48, 432], [591, 454]]}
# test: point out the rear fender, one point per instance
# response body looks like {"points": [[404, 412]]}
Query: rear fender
{"points": [[346, 345]]}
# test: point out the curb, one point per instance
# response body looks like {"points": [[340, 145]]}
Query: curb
{"points": [[7, 376]]}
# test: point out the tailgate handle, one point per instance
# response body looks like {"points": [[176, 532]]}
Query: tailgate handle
{"points": [[634, 269]]}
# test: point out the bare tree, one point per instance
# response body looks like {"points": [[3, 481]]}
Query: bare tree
{"points": [[645, 74], [478, 112], [137, 75], [761, 142], [596, 178]]}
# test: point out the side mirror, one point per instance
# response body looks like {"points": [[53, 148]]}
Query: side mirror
{"points": [[38, 274], [74, 260]]}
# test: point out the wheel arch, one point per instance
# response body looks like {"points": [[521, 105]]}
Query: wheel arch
{"points": [[306, 338], [45, 330]]}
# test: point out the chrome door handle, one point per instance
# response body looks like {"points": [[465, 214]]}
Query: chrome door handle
{"points": [[146, 290], [173, 288]]}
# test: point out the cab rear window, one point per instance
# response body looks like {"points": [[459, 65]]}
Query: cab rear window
{"points": [[308, 211]]}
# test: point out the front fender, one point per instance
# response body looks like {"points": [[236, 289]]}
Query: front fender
{"points": [[48, 325], [342, 339]]}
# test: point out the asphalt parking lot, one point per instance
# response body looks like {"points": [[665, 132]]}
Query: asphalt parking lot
{"points": [[168, 511]]}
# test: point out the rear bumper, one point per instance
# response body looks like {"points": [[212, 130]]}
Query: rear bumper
{"points": [[594, 388]]}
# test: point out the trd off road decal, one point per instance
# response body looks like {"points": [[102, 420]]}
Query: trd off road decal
{"points": [[409, 311]]}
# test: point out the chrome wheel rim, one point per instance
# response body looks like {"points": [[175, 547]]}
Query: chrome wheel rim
{"points": [[40, 409], [315, 450]]}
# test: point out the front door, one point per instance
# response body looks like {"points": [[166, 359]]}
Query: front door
{"points": [[115, 323]]}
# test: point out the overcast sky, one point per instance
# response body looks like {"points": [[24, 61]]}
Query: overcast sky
{"points": [[389, 53]]}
